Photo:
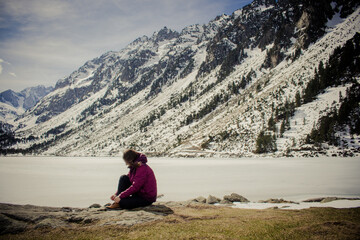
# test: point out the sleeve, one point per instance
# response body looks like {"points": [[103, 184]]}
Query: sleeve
{"points": [[138, 182]]}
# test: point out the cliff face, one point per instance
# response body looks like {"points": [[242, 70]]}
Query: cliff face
{"points": [[209, 89]]}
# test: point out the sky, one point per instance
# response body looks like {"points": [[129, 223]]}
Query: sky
{"points": [[42, 41]]}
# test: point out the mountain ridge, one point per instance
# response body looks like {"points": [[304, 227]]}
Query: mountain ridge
{"points": [[14, 104], [201, 92]]}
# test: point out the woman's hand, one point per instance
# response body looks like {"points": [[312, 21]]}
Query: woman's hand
{"points": [[113, 197], [117, 200]]}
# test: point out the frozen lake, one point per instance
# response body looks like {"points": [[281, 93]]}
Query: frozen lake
{"points": [[80, 182]]}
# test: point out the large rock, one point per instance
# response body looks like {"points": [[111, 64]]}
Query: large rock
{"points": [[8, 225], [95, 205], [225, 202], [276, 200], [234, 197], [200, 199], [328, 199], [18, 218], [212, 200], [314, 199]]}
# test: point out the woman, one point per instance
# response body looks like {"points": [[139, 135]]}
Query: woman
{"points": [[138, 187]]}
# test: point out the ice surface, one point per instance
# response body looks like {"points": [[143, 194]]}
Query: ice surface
{"points": [[79, 182]]}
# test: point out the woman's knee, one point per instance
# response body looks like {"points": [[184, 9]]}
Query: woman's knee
{"points": [[124, 178]]}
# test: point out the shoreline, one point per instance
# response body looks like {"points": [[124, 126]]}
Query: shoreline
{"points": [[174, 219]]}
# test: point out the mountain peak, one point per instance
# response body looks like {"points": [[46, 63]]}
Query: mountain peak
{"points": [[211, 89], [165, 34]]}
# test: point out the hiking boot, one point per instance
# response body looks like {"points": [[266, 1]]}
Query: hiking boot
{"points": [[113, 206]]}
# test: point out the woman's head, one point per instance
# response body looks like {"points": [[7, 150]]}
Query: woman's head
{"points": [[130, 157]]}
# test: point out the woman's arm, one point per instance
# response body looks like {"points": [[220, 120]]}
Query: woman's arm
{"points": [[137, 183]]}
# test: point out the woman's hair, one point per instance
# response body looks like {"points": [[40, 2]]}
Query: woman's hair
{"points": [[130, 156]]}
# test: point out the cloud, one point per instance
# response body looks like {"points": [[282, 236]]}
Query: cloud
{"points": [[46, 40], [12, 74], [1, 65], [1, 61]]}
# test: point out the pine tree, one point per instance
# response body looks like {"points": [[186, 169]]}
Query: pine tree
{"points": [[297, 99], [282, 128]]}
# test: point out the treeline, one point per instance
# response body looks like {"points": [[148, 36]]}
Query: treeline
{"points": [[34, 148], [208, 108], [348, 115], [220, 98], [342, 66]]}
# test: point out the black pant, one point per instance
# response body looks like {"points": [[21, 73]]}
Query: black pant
{"points": [[133, 201]]}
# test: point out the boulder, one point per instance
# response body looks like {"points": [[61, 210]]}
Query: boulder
{"points": [[234, 197], [276, 200], [8, 225], [200, 199], [50, 223], [95, 205], [19, 218], [329, 199], [314, 199], [225, 202], [212, 200], [75, 219]]}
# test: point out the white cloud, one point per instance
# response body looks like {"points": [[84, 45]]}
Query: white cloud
{"points": [[12, 74], [52, 38], [1, 68]]}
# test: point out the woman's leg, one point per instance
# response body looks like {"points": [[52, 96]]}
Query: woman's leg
{"points": [[133, 202], [124, 183]]}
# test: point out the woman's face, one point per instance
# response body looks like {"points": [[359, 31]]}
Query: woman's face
{"points": [[127, 163]]}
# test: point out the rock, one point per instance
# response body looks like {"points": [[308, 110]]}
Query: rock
{"points": [[50, 223], [225, 202], [276, 200], [18, 218], [66, 209], [273, 207], [314, 199], [75, 219], [88, 220], [212, 200], [200, 199], [8, 225], [234, 197], [329, 199], [158, 209], [95, 205]]}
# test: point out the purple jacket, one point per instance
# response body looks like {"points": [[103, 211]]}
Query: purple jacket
{"points": [[143, 181]]}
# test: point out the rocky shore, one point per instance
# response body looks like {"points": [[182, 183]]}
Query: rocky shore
{"points": [[20, 218]]}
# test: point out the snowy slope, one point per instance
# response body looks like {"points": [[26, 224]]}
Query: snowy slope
{"points": [[155, 94]]}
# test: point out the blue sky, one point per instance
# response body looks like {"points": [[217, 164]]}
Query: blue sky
{"points": [[42, 41]]}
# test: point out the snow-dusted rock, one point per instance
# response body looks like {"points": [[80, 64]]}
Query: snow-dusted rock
{"points": [[234, 197]]}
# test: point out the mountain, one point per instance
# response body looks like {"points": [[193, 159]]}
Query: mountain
{"points": [[265, 79], [13, 104]]}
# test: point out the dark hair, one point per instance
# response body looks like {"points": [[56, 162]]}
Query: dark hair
{"points": [[130, 157]]}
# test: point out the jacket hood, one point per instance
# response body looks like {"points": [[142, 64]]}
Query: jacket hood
{"points": [[142, 158]]}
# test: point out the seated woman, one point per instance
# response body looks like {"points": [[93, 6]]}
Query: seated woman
{"points": [[138, 187]]}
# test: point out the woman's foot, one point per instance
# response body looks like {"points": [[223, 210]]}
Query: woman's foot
{"points": [[114, 206]]}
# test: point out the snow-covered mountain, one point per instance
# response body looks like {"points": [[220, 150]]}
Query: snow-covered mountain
{"points": [[235, 86], [14, 104]]}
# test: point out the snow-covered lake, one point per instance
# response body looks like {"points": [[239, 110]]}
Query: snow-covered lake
{"points": [[80, 182]]}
